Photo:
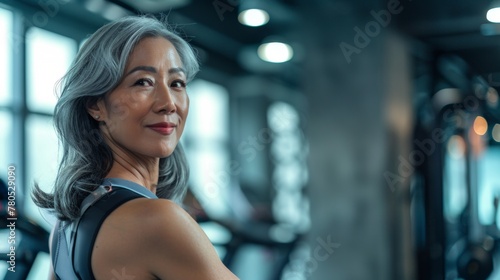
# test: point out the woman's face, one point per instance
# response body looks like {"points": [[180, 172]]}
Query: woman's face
{"points": [[146, 113]]}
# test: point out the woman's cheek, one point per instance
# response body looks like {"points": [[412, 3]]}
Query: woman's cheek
{"points": [[120, 109], [137, 99], [183, 104]]}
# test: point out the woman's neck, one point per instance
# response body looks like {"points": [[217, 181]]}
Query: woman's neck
{"points": [[142, 172]]}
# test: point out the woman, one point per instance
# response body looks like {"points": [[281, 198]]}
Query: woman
{"points": [[121, 112]]}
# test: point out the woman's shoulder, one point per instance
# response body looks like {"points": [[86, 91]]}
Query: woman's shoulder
{"points": [[141, 231], [149, 218], [156, 238], [167, 227]]}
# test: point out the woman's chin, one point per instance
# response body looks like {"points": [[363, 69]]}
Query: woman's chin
{"points": [[157, 154], [162, 151], [167, 153]]}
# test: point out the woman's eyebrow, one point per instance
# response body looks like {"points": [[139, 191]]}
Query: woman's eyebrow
{"points": [[143, 68], [176, 70], [151, 69]]}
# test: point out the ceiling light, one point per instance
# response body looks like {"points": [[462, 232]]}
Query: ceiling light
{"points": [[275, 52], [493, 14], [496, 132], [480, 125], [492, 97], [253, 17]]}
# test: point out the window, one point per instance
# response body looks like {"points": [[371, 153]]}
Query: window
{"points": [[454, 178], [206, 136], [290, 206], [6, 135], [41, 149], [6, 120], [5, 141], [488, 186], [49, 56], [6, 31]]}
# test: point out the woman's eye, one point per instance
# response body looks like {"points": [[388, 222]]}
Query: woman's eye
{"points": [[143, 82], [178, 84]]}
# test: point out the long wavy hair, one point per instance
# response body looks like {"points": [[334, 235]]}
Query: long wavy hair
{"points": [[98, 69]]}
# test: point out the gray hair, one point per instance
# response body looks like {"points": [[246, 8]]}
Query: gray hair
{"points": [[98, 69]]}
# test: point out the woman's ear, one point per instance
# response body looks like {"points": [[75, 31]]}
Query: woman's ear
{"points": [[95, 108]]}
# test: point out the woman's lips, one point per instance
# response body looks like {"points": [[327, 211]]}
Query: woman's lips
{"points": [[163, 128]]}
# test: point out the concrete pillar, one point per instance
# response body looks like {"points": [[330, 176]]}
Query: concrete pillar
{"points": [[360, 121]]}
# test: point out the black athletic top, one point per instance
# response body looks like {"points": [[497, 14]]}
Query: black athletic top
{"points": [[72, 243]]}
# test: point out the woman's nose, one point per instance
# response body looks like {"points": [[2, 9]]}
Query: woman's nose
{"points": [[165, 100]]}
